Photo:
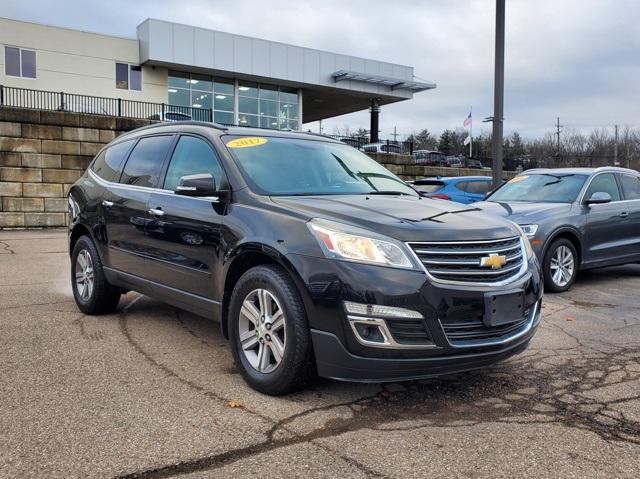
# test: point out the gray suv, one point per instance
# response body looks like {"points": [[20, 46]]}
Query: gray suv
{"points": [[576, 218]]}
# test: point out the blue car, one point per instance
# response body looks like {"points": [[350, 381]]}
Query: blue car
{"points": [[462, 189]]}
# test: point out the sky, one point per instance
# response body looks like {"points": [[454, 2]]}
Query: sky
{"points": [[576, 59]]}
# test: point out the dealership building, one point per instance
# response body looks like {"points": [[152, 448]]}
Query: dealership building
{"points": [[237, 79]]}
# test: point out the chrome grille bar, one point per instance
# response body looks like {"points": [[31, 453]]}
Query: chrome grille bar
{"points": [[460, 262]]}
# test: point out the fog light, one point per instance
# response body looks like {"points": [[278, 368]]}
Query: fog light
{"points": [[380, 311], [370, 333]]}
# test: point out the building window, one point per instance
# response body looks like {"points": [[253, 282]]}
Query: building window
{"points": [[19, 62], [267, 106], [203, 97], [128, 77]]}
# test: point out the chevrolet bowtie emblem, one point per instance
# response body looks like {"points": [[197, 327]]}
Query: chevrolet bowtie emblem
{"points": [[494, 260]]}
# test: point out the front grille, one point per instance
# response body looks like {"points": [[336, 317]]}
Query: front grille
{"points": [[460, 261], [461, 332], [408, 331]]}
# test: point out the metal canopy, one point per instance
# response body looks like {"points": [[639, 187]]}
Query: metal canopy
{"points": [[392, 83]]}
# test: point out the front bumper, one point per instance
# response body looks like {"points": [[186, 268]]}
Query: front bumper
{"points": [[336, 362], [340, 354]]}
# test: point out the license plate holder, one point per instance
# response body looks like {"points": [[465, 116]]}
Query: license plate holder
{"points": [[503, 307]]}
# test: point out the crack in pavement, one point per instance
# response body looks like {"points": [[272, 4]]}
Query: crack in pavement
{"points": [[7, 249], [48, 303], [219, 460], [540, 387]]}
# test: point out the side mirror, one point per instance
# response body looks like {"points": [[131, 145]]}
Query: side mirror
{"points": [[197, 185], [598, 198]]}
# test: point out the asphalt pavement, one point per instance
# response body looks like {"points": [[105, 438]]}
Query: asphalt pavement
{"points": [[152, 391]]}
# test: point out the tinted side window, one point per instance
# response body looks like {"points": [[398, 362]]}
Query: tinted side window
{"points": [[478, 187], [630, 187], [606, 183], [191, 157], [145, 161], [108, 163], [463, 185]]}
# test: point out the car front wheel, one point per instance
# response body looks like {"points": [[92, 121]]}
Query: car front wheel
{"points": [[269, 333], [560, 266]]}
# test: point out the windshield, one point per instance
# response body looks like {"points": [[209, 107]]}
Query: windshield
{"points": [[541, 187], [293, 166]]}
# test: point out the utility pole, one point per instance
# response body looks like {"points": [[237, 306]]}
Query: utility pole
{"points": [[558, 128], [395, 134], [615, 148], [471, 134], [498, 96]]}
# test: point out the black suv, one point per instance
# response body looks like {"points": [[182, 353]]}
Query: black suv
{"points": [[313, 257]]}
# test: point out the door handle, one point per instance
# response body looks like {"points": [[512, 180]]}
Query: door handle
{"points": [[107, 204], [156, 212], [624, 214]]}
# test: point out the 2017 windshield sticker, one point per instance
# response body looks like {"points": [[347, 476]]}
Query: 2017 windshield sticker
{"points": [[247, 142]]}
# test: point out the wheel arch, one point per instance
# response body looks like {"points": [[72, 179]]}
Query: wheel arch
{"points": [[77, 231], [569, 234], [245, 258]]}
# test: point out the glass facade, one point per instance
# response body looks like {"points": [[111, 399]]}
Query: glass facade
{"points": [[259, 105], [267, 106]]}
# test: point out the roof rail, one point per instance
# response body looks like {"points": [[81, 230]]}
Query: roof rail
{"points": [[217, 126]]}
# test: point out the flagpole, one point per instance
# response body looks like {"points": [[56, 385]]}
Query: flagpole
{"points": [[471, 134]]}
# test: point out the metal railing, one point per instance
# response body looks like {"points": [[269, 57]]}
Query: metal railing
{"points": [[96, 105], [384, 146]]}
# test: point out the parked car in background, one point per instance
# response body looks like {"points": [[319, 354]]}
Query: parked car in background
{"points": [[461, 189], [170, 116], [472, 163], [454, 162], [576, 218], [430, 158], [350, 140], [313, 257], [382, 147]]}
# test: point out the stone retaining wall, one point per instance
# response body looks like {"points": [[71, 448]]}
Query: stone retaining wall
{"points": [[42, 153]]}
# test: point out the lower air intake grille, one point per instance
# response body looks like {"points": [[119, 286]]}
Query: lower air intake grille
{"points": [[463, 332], [408, 331]]}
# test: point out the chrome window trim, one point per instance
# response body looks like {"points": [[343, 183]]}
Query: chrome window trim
{"points": [[520, 273], [534, 318], [110, 184], [389, 342]]}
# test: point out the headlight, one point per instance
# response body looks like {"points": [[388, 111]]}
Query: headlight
{"points": [[353, 244], [525, 240], [529, 230]]}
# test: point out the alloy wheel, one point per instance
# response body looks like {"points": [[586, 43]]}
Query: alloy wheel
{"points": [[261, 330], [84, 275], [562, 266]]}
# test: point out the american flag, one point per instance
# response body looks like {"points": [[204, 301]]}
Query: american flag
{"points": [[467, 121]]}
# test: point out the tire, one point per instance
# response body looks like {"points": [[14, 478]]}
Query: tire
{"points": [[270, 285], [101, 297], [558, 282]]}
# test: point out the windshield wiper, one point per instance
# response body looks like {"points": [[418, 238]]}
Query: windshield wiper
{"points": [[388, 192]]}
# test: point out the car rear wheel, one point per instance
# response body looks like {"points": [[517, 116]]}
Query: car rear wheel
{"points": [[269, 333], [560, 266], [92, 292]]}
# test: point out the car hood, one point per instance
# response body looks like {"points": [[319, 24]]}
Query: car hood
{"points": [[524, 213], [405, 218]]}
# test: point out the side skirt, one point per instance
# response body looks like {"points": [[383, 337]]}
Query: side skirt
{"points": [[195, 304]]}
